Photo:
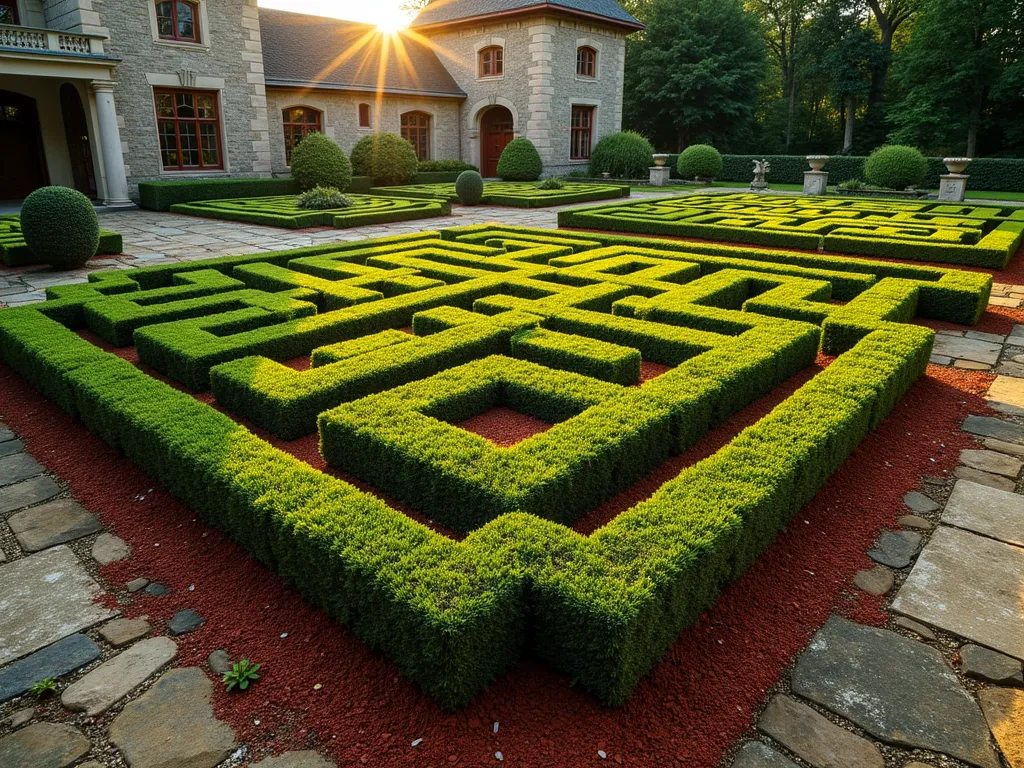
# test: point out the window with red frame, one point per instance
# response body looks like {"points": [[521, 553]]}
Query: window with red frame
{"points": [[416, 130], [492, 61], [188, 124], [298, 121], [364, 115], [586, 62], [581, 133], [178, 20]]}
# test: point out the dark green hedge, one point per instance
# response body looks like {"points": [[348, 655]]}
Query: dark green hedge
{"points": [[161, 195], [14, 251]]}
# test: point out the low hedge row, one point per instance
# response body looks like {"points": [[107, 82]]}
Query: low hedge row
{"points": [[161, 195], [517, 194], [14, 251]]}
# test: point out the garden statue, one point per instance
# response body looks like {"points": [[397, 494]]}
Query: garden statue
{"points": [[761, 167]]}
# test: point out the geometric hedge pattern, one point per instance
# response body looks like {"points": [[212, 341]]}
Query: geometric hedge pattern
{"points": [[985, 236], [14, 251], [284, 211], [514, 194], [408, 336]]}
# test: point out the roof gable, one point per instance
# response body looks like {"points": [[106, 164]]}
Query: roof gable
{"points": [[440, 12]]}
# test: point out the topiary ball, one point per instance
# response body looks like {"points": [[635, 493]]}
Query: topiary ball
{"points": [[623, 155], [385, 157], [519, 161], [896, 166], [318, 162], [699, 161], [469, 187], [60, 227]]}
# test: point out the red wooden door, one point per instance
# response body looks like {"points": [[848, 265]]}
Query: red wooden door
{"points": [[496, 130]]}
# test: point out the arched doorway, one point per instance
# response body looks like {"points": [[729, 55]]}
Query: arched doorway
{"points": [[496, 130], [76, 133], [22, 164]]}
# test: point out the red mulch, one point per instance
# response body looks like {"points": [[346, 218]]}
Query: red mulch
{"points": [[688, 711], [504, 427]]}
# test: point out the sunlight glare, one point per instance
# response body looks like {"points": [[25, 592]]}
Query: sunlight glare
{"points": [[390, 19]]}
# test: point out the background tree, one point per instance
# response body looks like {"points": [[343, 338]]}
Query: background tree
{"points": [[695, 74]]}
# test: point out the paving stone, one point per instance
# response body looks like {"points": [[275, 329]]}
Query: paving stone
{"points": [[990, 667], [11, 447], [18, 467], [970, 365], [43, 745], [878, 581], [20, 717], [91, 764], [154, 588], [998, 445], [1006, 389], [916, 522], [895, 688], [27, 492], [123, 631], [970, 586], [185, 621], [991, 461], [309, 759], [64, 656], [919, 503], [815, 738], [53, 523], [1010, 369], [959, 347], [985, 478], [136, 584], [148, 730], [990, 511], [45, 597], [754, 754], [895, 549], [6, 434], [220, 662], [108, 549], [990, 426], [940, 360], [916, 627], [995, 338], [110, 682], [1009, 410], [1004, 710]]}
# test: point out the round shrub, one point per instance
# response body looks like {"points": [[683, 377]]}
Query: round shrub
{"points": [[552, 183], [519, 161], [623, 155], [386, 158], [469, 187], [318, 162], [699, 161], [323, 199], [60, 227], [896, 166]]}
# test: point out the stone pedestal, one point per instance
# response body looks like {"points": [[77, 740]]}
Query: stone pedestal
{"points": [[815, 182], [952, 187], [758, 186], [660, 175]]}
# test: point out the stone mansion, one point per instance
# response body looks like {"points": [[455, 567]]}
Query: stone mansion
{"points": [[102, 94]]}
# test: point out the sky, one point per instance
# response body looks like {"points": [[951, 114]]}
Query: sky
{"points": [[384, 13]]}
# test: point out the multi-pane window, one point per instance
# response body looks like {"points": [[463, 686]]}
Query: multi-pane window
{"points": [[8, 12], [298, 121], [178, 20], [364, 115], [581, 133], [492, 61], [188, 124], [586, 62], [416, 130]]}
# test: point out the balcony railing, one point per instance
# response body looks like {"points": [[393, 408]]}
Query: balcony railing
{"points": [[48, 40]]}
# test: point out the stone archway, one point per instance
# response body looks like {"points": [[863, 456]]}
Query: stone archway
{"points": [[497, 128]]}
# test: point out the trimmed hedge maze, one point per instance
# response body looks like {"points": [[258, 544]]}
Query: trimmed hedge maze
{"points": [[14, 251], [550, 324], [953, 233], [284, 211], [518, 194]]}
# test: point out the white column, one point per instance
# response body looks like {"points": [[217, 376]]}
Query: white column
{"points": [[116, 186]]}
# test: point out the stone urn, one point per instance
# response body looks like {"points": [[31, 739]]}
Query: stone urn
{"points": [[817, 162], [606, 175], [660, 160], [956, 164]]}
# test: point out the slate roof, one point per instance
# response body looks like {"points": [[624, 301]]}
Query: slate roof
{"points": [[447, 11], [319, 52]]}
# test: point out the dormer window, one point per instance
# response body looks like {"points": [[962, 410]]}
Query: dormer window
{"points": [[178, 20], [492, 61], [586, 61]]}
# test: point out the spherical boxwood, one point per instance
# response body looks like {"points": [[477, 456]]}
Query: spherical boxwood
{"points": [[519, 161], [469, 187], [318, 162], [60, 227], [623, 155], [699, 161], [552, 183], [385, 157], [323, 199], [896, 166]]}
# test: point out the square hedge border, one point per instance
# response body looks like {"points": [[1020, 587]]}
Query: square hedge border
{"points": [[516, 194]]}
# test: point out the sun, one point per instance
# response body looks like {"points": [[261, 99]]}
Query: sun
{"points": [[389, 18]]}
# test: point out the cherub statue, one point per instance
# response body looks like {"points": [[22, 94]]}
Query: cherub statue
{"points": [[761, 167]]}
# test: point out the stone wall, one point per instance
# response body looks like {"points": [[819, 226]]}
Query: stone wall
{"points": [[228, 59], [340, 119], [539, 84], [74, 16]]}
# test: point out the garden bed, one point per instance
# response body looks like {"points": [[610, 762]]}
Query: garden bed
{"points": [[14, 251], [518, 194], [887, 194]]}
